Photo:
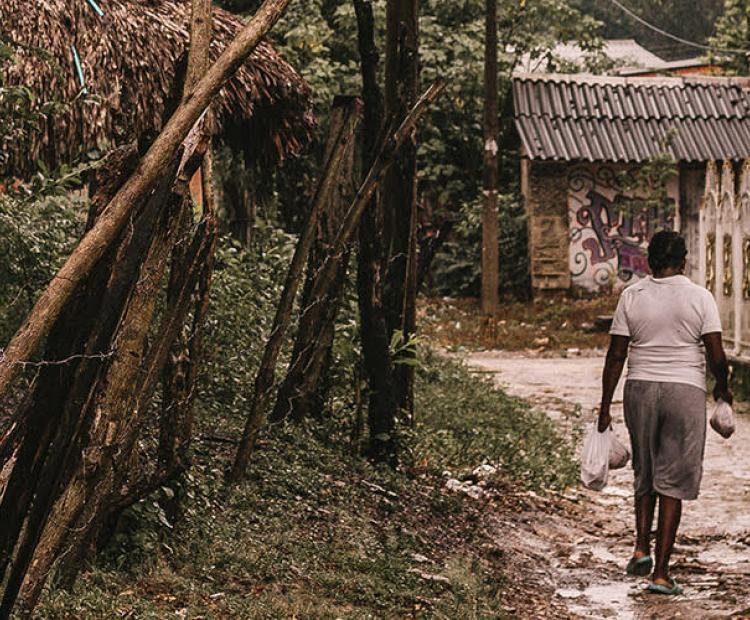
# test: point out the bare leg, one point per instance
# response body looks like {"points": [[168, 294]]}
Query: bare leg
{"points": [[644, 520], [670, 511]]}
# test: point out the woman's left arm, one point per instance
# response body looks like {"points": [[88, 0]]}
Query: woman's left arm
{"points": [[616, 356]]}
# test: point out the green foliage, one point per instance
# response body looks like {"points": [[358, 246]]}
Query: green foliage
{"points": [[463, 421], [690, 19], [450, 138], [40, 222], [140, 534], [457, 268], [452, 47], [732, 31], [40, 218], [404, 351], [319, 39], [245, 290]]}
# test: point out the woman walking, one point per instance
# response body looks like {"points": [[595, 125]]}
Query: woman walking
{"points": [[664, 326]]}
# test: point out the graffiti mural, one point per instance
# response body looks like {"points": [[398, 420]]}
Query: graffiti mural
{"points": [[608, 235]]}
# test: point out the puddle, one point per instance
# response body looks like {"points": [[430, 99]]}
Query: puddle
{"points": [[607, 600], [568, 593]]}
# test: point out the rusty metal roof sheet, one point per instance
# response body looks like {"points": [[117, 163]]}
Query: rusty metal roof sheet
{"points": [[618, 119]]}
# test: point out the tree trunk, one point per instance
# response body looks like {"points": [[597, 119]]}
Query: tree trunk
{"points": [[113, 471], [386, 155], [490, 257], [266, 373], [400, 185], [326, 275], [376, 361], [87, 494], [29, 338], [304, 389], [179, 371], [406, 361]]}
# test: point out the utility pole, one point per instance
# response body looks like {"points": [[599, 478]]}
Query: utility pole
{"points": [[490, 252]]}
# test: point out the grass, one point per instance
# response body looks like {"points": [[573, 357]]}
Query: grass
{"points": [[550, 324], [316, 532], [466, 422]]}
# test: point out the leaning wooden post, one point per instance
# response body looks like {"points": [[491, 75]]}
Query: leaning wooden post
{"points": [[385, 157], [264, 380], [409, 316], [111, 221], [317, 323], [327, 272]]}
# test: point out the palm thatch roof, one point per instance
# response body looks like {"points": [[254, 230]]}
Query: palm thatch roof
{"points": [[133, 60]]}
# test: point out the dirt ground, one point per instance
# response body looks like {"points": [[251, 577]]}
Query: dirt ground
{"points": [[552, 324], [573, 548]]}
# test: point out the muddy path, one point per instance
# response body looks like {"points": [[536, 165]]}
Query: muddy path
{"points": [[576, 546]]}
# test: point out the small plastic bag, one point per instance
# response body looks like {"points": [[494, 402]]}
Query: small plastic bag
{"points": [[595, 458], [619, 454], [722, 419]]}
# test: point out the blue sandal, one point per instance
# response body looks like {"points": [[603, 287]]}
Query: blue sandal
{"points": [[640, 566], [659, 589]]}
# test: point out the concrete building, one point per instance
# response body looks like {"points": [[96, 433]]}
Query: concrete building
{"points": [[582, 135]]}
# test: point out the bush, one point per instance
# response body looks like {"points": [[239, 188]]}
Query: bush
{"points": [[245, 290], [457, 268], [39, 227]]}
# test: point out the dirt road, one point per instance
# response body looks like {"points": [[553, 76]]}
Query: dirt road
{"points": [[581, 543]]}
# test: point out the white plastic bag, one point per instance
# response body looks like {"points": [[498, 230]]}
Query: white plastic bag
{"points": [[619, 453], [595, 458], [722, 419]]}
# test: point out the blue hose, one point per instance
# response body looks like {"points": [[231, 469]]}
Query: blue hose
{"points": [[79, 69], [96, 7]]}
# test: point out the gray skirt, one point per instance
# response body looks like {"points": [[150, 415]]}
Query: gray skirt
{"points": [[667, 426]]}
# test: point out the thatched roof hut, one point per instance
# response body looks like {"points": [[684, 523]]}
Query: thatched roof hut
{"points": [[133, 61]]}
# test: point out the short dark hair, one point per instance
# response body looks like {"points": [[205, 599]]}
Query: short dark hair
{"points": [[667, 249]]}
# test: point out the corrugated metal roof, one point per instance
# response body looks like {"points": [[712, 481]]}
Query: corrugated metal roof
{"points": [[569, 117]]}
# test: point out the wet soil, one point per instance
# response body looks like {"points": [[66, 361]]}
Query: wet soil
{"points": [[574, 547]]}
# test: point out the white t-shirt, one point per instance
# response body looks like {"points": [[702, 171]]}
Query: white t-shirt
{"points": [[665, 319]]}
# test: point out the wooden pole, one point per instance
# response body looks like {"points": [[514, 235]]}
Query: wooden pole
{"points": [[304, 388], [400, 184], [490, 251]]}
